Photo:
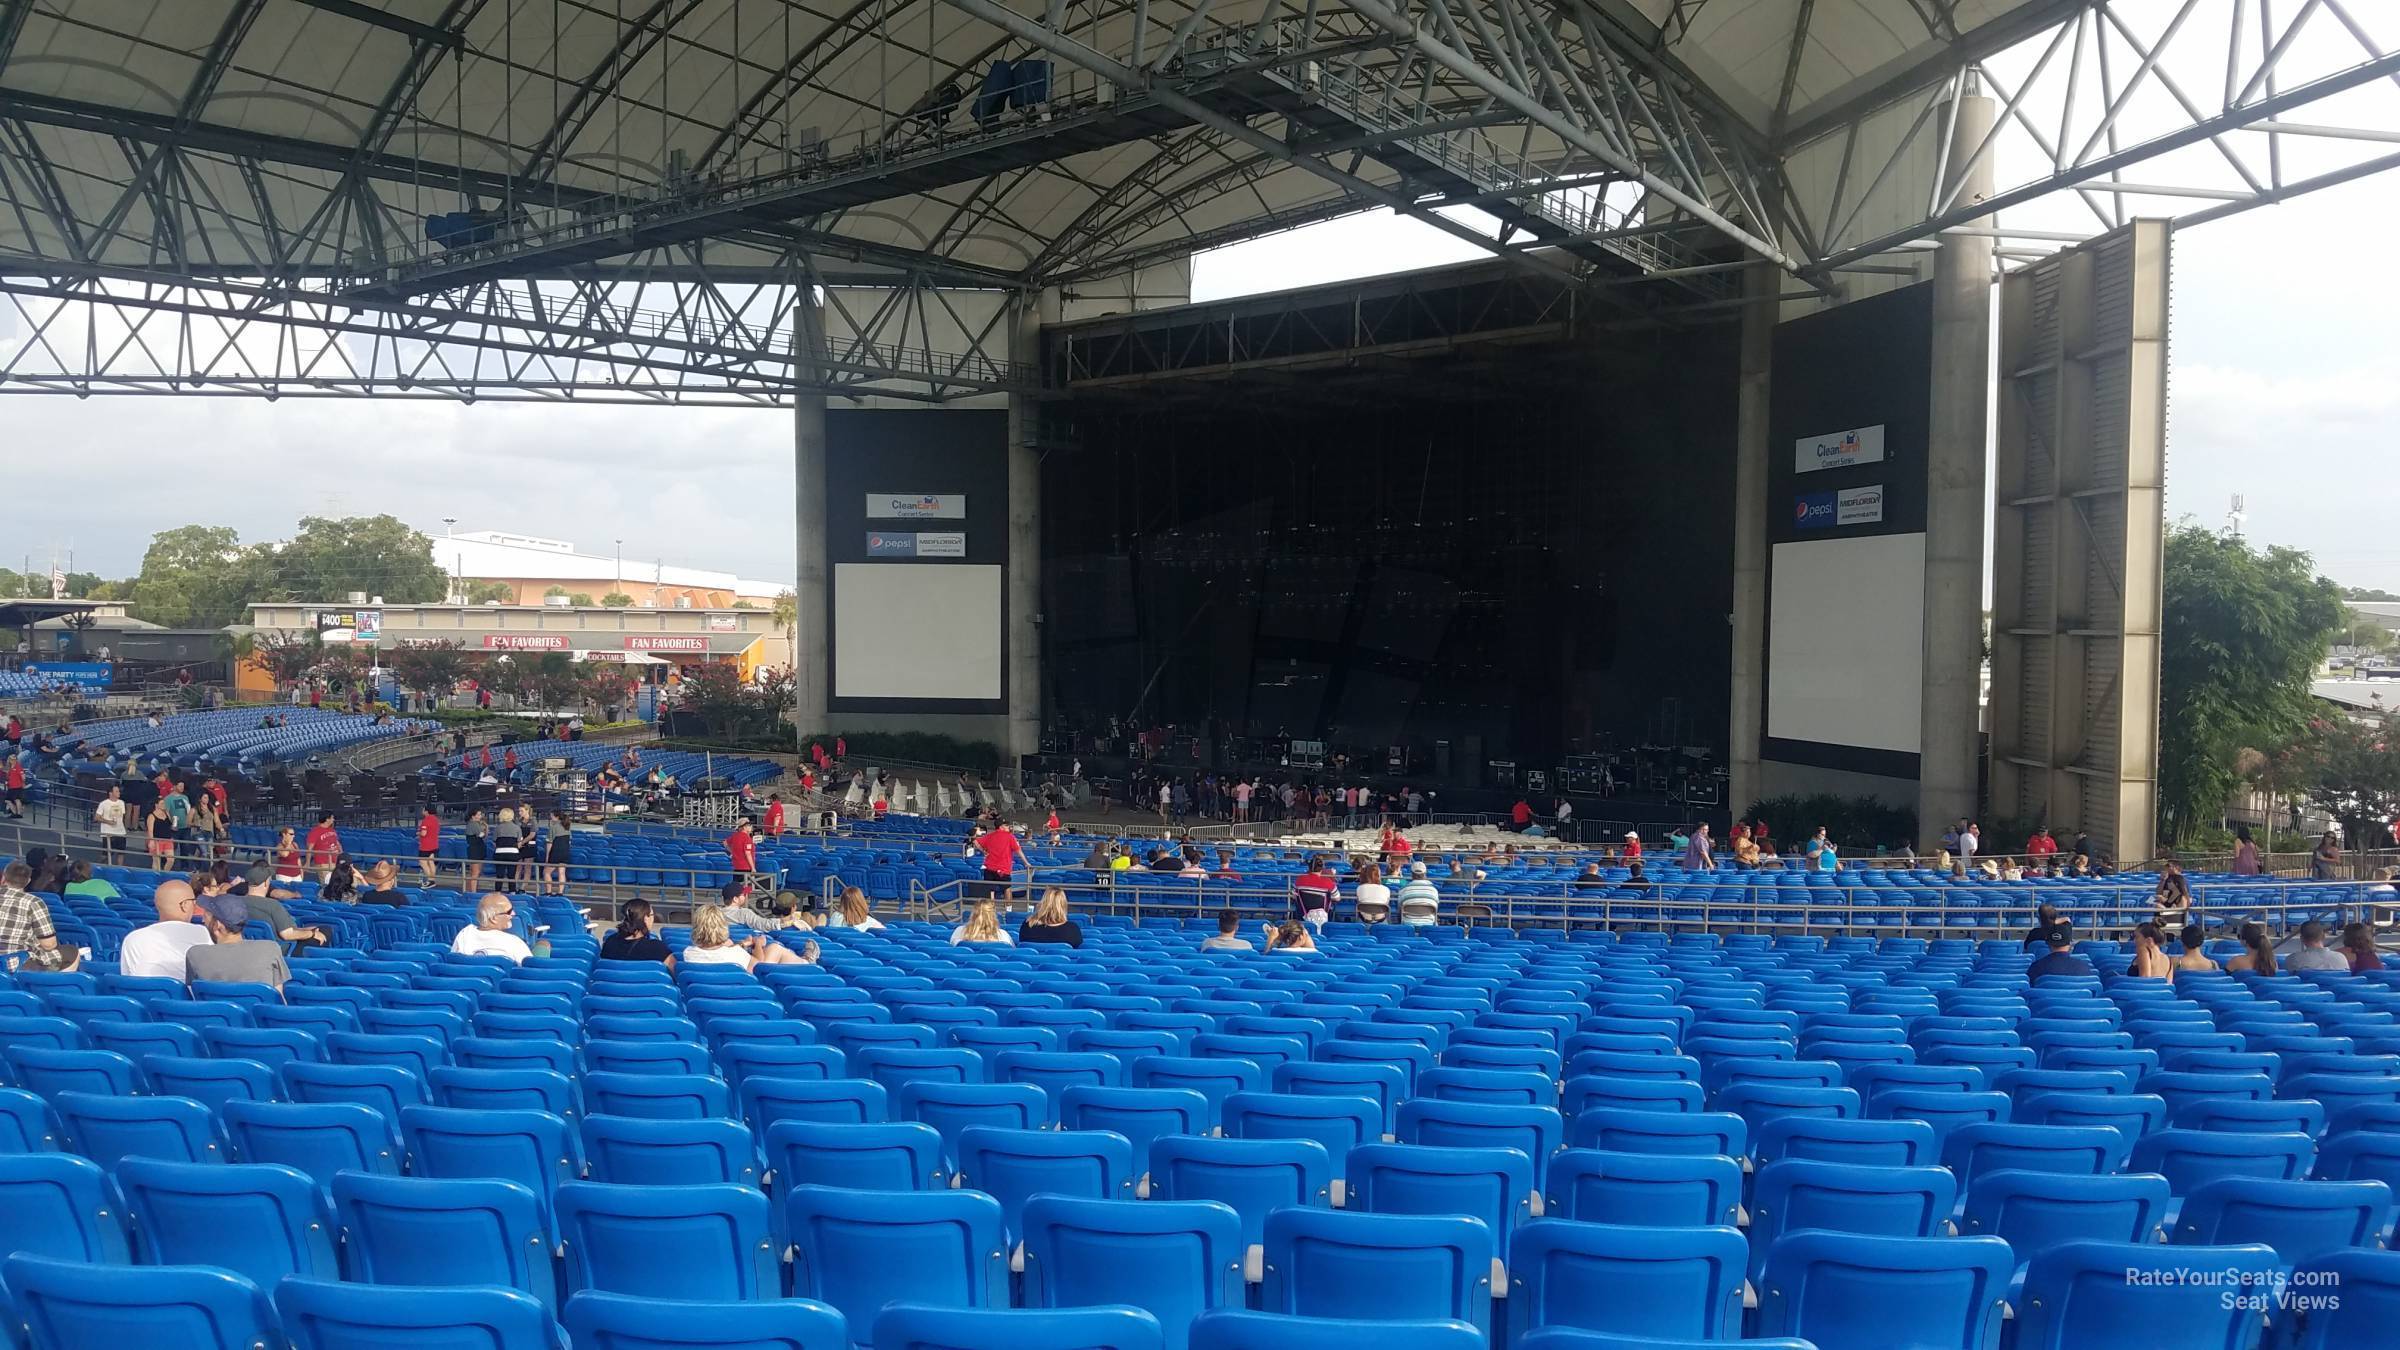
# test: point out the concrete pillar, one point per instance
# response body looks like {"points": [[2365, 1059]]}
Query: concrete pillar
{"points": [[812, 676], [1027, 316], [1955, 523], [1750, 464]]}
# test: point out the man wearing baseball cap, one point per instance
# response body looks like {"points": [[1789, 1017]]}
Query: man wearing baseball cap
{"points": [[228, 956], [2062, 960], [1633, 844]]}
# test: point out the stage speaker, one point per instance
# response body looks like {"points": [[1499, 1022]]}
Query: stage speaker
{"points": [[1441, 760]]}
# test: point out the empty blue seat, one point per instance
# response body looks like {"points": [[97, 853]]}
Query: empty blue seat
{"points": [[600, 1321], [694, 1242], [2035, 1211], [1607, 1091], [2301, 1220], [861, 1250], [384, 1088], [446, 1232], [1873, 1292], [840, 1100], [635, 1057], [2105, 1295], [105, 1129], [1494, 1185], [1636, 1281], [952, 1107], [632, 1151], [318, 1138], [1142, 1115], [1173, 1259], [1235, 1330], [262, 1221], [325, 1315], [2191, 1158], [664, 1096], [1250, 1176], [1411, 1267], [1866, 1143], [59, 1205], [2132, 1114], [2361, 1155], [49, 1071], [70, 1306], [27, 1124], [1013, 1165], [1386, 1084], [534, 1149], [1625, 1130], [2363, 1308], [1338, 1123], [910, 1326], [1535, 1131], [1989, 1146], [865, 1155], [1670, 1190], [1799, 1193]]}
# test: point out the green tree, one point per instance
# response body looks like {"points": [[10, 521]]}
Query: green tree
{"points": [[2351, 771], [489, 592], [430, 668], [555, 593], [2243, 633], [580, 599], [197, 576], [786, 613], [2362, 593], [380, 555], [82, 584], [741, 604], [616, 600], [286, 657]]}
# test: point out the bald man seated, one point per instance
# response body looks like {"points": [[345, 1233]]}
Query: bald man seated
{"points": [[157, 951]]}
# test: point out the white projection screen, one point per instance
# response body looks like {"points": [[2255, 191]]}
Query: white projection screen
{"points": [[1846, 641], [917, 630]]}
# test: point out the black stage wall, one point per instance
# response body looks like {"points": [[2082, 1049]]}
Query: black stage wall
{"points": [[1522, 576]]}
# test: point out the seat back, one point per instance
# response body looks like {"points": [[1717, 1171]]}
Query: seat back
{"points": [[58, 1205], [2189, 1159], [325, 1315], [688, 1242], [632, 1151], [910, 1326], [1249, 1176], [1338, 1123], [1347, 1263], [1142, 1115], [1600, 1186], [848, 1101], [1234, 1330], [1494, 1185], [1682, 1283], [105, 1129], [1799, 1193], [599, 1321], [1874, 1292], [1864, 1143], [1012, 1165], [1625, 1130], [2035, 1211], [860, 1250], [208, 1081], [534, 1149], [446, 1232], [1535, 1131], [1175, 1260], [2094, 1295], [68, 1306], [2301, 1220], [262, 1221], [953, 1107], [863, 1155], [657, 1096], [2368, 1308], [1991, 1146]]}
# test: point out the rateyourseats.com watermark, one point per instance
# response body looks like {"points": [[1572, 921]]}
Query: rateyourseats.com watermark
{"points": [[2277, 1291]]}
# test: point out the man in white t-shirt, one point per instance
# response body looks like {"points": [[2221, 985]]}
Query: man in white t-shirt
{"points": [[491, 936], [109, 815], [156, 951]]}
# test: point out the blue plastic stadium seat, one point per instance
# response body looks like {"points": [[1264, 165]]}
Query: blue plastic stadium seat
{"points": [[49, 1071], [1626, 1130], [60, 1206], [2301, 1220], [1494, 1185], [598, 1321], [849, 1101], [534, 1149], [2189, 1159], [1339, 1124], [1013, 1165], [2105, 1295], [1989, 1146], [1253, 1177], [105, 1129], [865, 1155], [1172, 1259], [1871, 1292], [1800, 1193], [861, 1250], [68, 1306], [1234, 1330], [1668, 1190], [1869, 1143], [908, 1326], [2035, 1211], [261, 1221], [446, 1232], [952, 1107], [699, 1242], [318, 1138], [1671, 1282], [27, 1124], [632, 1151], [1411, 1267], [2364, 1307], [663, 1096], [324, 1315], [1535, 1131]]}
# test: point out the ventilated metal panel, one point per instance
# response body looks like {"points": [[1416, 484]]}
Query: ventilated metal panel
{"points": [[2076, 576]]}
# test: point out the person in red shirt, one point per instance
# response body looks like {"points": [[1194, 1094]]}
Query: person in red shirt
{"points": [[1633, 845], [741, 849], [2041, 845], [16, 786], [219, 798], [323, 847], [774, 816], [1313, 893], [1052, 826], [508, 760], [1520, 816], [429, 841], [487, 756], [1000, 854], [808, 780]]}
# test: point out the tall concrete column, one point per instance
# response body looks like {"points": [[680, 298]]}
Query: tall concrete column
{"points": [[1955, 524], [812, 676], [1028, 314], [1750, 462]]}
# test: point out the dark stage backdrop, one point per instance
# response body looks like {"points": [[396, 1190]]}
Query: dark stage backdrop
{"points": [[1523, 577]]}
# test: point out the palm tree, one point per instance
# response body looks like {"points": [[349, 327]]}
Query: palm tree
{"points": [[787, 622]]}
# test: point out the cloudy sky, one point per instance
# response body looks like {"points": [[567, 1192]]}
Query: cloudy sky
{"points": [[2284, 390]]}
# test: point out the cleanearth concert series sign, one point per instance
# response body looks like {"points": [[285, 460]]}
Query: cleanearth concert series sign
{"points": [[916, 506], [1839, 449]]}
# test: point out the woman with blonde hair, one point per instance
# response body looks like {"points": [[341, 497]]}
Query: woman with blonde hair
{"points": [[713, 945], [852, 912], [982, 926], [1049, 921]]}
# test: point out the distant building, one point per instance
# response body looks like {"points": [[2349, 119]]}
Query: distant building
{"points": [[531, 567]]}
